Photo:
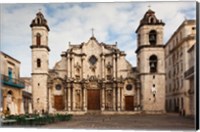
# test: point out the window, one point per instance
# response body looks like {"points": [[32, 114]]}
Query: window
{"points": [[58, 87], [129, 87], [93, 60], [152, 37], [169, 74], [153, 63], [38, 21], [38, 63], [10, 73], [138, 39], [38, 39]]}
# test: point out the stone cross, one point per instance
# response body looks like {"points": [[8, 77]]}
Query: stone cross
{"points": [[92, 32], [149, 6]]}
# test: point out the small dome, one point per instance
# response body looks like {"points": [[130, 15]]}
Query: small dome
{"points": [[39, 21]]}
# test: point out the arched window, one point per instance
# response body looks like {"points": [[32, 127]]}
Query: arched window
{"points": [[38, 21], [92, 60], [153, 63], [152, 37], [138, 39], [38, 63], [38, 39], [9, 96]]}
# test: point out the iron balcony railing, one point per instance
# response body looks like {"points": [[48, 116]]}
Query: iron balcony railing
{"points": [[189, 72], [17, 83]]}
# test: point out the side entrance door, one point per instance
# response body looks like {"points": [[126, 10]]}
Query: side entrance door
{"points": [[58, 102], [93, 99], [129, 103]]}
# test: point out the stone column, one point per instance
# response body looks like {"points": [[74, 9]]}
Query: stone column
{"points": [[117, 64], [118, 98], [65, 96], [114, 98], [84, 98], [69, 97], [103, 97], [73, 63], [85, 90], [114, 66], [49, 99], [138, 96], [73, 98], [103, 66], [68, 65], [122, 99], [82, 59]]}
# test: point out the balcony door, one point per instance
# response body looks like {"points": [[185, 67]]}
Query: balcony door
{"points": [[10, 74]]}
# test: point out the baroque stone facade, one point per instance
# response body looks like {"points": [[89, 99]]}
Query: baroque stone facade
{"points": [[90, 76], [96, 76], [93, 76]]}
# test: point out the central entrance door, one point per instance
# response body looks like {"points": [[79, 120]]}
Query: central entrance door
{"points": [[129, 103], [93, 99], [58, 102]]}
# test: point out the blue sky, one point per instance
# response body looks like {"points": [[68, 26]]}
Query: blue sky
{"points": [[72, 22]]}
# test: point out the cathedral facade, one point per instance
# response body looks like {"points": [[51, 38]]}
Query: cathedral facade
{"points": [[94, 76]]}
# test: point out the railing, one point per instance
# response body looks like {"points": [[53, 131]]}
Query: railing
{"points": [[189, 72], [12, 81]]}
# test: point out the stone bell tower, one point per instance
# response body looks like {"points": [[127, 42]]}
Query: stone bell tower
{"points": [[151, 66], [40, 62]]}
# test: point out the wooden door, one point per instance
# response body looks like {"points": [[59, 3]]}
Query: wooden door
{"points": [[58, 102], [129, 103], [93, 99]]}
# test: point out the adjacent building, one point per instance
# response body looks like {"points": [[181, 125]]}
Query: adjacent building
{"points": [[11, 85], [177, 62], [190, 75]]}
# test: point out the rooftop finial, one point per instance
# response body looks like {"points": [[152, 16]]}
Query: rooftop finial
{"points": [[40, 9], [92, 32]]}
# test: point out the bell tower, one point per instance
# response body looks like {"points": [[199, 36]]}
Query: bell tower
{"points": [[151, 64], [40, 62]]}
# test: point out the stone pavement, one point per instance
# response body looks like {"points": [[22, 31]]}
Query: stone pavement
{"points": [[136, 122]]}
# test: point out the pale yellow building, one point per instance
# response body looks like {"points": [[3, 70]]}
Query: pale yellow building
{"points": [[190, 75], [177, 62], [11, 85]]}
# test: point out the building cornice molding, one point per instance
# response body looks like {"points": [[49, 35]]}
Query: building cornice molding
{"points": [[39, 46], [149, 46]]}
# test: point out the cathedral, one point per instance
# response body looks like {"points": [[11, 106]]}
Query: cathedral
{"points": [[95, 76]]}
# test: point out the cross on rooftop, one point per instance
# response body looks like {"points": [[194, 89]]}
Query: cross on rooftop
{"points": [[92, 32], [149, 6]]}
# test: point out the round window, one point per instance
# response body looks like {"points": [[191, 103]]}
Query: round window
{"points": [[92, 60], [58, 87], [129, 87]]}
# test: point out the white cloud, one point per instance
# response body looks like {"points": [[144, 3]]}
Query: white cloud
{"points": [[73, 22]]}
